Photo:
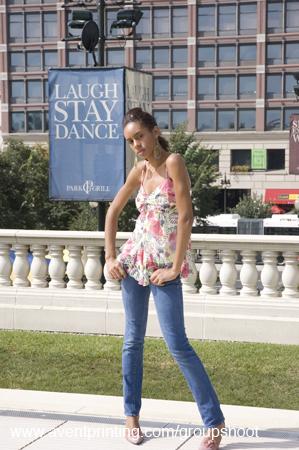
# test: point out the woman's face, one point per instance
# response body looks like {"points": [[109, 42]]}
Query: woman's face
{"points": [[141, 139]]}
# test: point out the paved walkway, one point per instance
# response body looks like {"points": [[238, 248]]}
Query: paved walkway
{"points": [[60, 421]]}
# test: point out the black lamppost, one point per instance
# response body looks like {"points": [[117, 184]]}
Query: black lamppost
{"points": [[94, 35], [225, 182]]}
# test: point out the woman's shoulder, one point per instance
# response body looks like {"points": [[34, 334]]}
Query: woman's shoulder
{"points": [[175, 161]]}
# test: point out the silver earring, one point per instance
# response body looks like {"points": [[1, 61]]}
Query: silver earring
{"points": [[157, 150]]}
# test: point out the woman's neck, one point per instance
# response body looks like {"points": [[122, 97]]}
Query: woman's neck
{"points": [[156, 163]]}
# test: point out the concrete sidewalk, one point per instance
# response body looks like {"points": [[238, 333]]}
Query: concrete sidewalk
{"points": [[59, 421]]}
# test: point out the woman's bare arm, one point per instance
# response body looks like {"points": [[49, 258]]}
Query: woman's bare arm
{"points": [[181, 181], [132, 183]]}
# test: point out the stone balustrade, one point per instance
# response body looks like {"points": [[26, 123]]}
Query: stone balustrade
{"points": [[242, 287], [223, 263]]}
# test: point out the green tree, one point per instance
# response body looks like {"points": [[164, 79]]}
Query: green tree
{"points": [[24, 201], [202, 167], [252, 207]]}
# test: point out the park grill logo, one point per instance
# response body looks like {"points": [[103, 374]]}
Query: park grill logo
{"points": [[87, 187], [85, 111]]}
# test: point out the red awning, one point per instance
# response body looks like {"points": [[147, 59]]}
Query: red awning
{"points": [[281, 196]]}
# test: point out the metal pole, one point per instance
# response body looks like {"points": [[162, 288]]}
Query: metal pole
{"points": [[101, 62], [224, 199]]}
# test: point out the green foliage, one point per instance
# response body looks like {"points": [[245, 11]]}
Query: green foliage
{"points": [[24, 202], [201, 165], [252, 207], [126, 221], [85, 219]]}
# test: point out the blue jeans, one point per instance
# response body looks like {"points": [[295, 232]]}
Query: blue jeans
{"points": [[169, 306]]}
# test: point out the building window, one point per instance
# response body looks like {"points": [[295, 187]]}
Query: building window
{"points": [[179, 57], [161, 57], [289, 83], [142, 58], [247, 54], [178, 117], [206, 120], [247, 22], [226, 87], [273, 119], [206, 56], [226, 55], [161, 88], [34, 91], [17, 62], [46, 120], [292, 53], [226, 119], [115, 57], [162, 119], [110, 17], [205, 87], [161, 22], [273, 86], [247, 86], [274, 17], [17, 122], [240, 160], [16, 27], [75, 58], [179, 88], [227, 20], [50, 26], [50, 59], [46, 91], [34, 121], [33, 61], [274, 54], [144, 26], [32, 27], [276, 159], [206, 20], [292, 16], [246, 119], [17, 91], [288, 112], [179, 21]]}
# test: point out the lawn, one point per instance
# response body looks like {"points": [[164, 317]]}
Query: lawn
{"points": [[264, 375]]}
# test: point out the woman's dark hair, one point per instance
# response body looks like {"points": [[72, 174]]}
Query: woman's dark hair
{"points": [[147, 120]]}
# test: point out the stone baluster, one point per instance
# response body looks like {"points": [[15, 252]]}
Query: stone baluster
{"points": [[270, 274], [56, 267], [74, 268], [188, 284], [21, 266], [93, 268], [228, 273], [39, 267], [249, 273], [208, 272], [5, 265], [290, 275], [111, 284]]}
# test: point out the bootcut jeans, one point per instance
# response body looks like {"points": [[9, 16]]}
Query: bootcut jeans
{"points": [[169, 306]]}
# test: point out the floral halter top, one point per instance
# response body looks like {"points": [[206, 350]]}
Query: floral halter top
{"points": [[152, 244]]}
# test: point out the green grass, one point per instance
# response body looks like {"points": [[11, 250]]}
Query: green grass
{"points": [[264, 375]]}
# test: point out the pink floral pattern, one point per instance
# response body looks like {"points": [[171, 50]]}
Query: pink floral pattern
{"points": [[152, 244]]}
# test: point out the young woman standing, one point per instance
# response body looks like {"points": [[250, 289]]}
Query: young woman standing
{"points": [[152, 260]]}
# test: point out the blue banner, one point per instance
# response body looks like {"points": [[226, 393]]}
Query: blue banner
{"points": [[87, 148]]}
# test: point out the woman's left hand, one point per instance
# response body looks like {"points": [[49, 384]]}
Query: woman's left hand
{"points": [[161, 276]]}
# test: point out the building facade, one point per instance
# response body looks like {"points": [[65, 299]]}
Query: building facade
{"points": [[225, 68]]}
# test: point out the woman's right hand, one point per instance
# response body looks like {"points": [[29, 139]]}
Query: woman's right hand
{"points": [[115, 269]]}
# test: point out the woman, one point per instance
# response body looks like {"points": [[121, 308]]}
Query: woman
{"points": [[152, 260]]}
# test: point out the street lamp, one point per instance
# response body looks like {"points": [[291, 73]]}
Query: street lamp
{"points": [[225, 182]]}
